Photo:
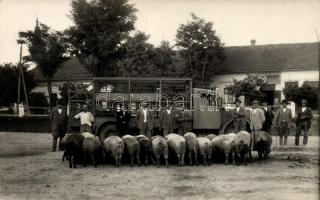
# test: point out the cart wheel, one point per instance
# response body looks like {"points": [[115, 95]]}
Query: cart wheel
{"points": [[106, 130]]}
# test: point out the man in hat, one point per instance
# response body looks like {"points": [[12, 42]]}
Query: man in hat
{"points": [[239, 116], [59, 121], [268, 115], [145, 120], [282, 121], [123, 119], [86, 120], [256, 120], [167, 120], [303, 122]]}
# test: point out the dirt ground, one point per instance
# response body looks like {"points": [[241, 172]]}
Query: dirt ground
{"points": [[28, 170]]}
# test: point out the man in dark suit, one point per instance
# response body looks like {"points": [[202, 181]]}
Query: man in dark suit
{"points": [[239, 116], [59, 121], [167, 120], [123, 120], [303, 122], [268, 114], [282, 121], [145, 120]]}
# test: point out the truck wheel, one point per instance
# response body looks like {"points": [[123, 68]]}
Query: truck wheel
{"points": [[107, 130]]}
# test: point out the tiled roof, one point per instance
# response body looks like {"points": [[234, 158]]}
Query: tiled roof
{"points": [[71, 69], [271, 58]]}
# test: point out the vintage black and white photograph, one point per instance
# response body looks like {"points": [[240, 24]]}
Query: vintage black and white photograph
{"points": [[159, 99]]}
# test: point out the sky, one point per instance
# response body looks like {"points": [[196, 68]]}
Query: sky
{"points": [[236, 21]]}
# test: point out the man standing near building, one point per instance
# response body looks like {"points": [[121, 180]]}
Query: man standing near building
{"points": [[239, 116], [268, 115], [86, 120], [282, 122], [303, 122], [256, 120], [145, 120], [167, 120], [59, 121]]}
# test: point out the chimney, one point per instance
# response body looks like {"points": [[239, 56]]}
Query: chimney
{"points": [[253, 42]]}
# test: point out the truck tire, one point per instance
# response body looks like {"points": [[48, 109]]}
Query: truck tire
{"points": [[106, 130]]}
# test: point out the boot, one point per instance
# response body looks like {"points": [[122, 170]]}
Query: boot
{"points": [[54, 144]]}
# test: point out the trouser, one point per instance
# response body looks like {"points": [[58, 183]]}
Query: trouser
{"points": [[302, 126], [283, 132], [186, 126], [54, 143], [145, 130], [168, 129], [238, 125], [85, 128], [254, 133], [123, 128], [55, 136]]}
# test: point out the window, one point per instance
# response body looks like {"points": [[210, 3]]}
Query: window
{"points": [[291, 84]]}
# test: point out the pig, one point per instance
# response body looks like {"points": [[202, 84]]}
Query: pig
{"points": [[114, 146], [132, 147], [192, 146], [224, 144], [211, 136], [205, 149], [90, 147], [263, 144], [74, 149], [177, 144], [145, 148], [63, 145], [160, 148], [242, 143]]}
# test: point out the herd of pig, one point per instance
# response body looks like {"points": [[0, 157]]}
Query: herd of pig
{"points": [[235, 148]]}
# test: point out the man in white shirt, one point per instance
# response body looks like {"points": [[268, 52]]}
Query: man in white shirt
{"points": [[86, 120], [167, 121], [145, 120], [257, 119]]}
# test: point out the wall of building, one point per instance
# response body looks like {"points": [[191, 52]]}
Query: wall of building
{"points": [[277, 78]]}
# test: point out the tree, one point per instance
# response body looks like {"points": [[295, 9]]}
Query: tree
{"points": [[165, 58], [47, 50], [249, 87], [296, 94], [139, 56], [201, 49], [100, 30], [9, 81]]}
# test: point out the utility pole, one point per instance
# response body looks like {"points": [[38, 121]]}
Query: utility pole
{"points": [[319, 70], [21, 75]]}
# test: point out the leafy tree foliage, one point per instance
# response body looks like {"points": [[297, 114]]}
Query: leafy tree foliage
{"points": [[9, 81], [138, 59], [296, 94], [47, 50], [101, 27], [249, 87], [165, 60], [201, 48]]}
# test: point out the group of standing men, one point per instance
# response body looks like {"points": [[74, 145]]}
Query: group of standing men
{"points": [[263, 119], [59, 121], [166, 120]]}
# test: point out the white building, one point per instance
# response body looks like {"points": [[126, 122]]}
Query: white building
{"points": [[280, 64]]}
